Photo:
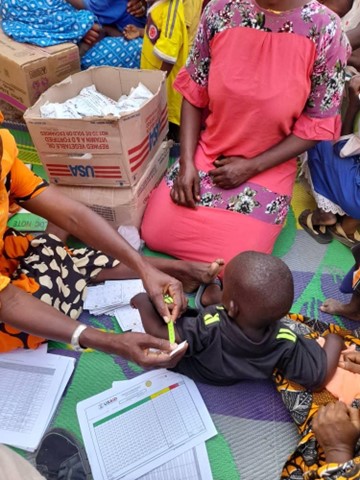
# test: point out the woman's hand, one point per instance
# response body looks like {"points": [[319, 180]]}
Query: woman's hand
{"points": [[186, 189], [157, 284], [337, 429], [136, 347], [351, 362], [137, 8], [230, 172]]}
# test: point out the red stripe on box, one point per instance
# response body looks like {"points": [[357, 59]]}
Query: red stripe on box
{"points": [[140, 155], [140, 162], [138, 147]]}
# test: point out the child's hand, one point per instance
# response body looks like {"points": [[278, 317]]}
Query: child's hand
{"points": [[93, 35], [131, 32]]}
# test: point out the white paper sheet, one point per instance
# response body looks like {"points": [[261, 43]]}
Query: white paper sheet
{"points": [[142, 423], [113, 294], [30, 389], [191, 465], [129, 319]]}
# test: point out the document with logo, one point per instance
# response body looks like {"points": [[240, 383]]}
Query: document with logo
{"points": [[140, 424]]}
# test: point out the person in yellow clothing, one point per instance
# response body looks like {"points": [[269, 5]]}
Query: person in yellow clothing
{"points": [[192, 11], [43, 282], [165, 47]]}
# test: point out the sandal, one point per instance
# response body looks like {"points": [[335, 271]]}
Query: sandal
{"points": [[338, 232], [320, 233], [197, 300]]}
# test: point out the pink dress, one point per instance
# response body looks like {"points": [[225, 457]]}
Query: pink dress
{"points": [[262, 76]]}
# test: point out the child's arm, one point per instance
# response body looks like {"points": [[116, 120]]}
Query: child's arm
{"points": [[152, 321], [166, 67], [333, 346]]}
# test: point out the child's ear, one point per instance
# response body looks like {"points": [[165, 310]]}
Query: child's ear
{"points": [[233, 309]]}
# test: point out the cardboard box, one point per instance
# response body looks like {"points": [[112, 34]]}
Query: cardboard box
{"points": [[26, 71], [101, 151], [123, 206]]}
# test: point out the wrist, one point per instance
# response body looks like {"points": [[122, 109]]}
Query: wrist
{"points": [[101, 341], [338, 454]]}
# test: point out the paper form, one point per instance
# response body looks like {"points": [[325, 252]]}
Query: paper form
{"points": [[113, 294], [191, 465], [129, 319], [142, 423], [30, 389]]}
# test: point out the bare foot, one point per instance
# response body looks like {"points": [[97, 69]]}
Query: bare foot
{"points": [[334, 307], [195, 273]]}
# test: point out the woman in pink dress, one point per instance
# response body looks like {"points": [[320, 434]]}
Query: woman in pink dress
{"points": [[270, 76]]}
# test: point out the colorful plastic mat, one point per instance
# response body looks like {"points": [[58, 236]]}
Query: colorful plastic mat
{"points": [[255, 433]]}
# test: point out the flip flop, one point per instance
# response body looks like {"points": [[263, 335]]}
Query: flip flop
{"points": [[320, 233], [338, 232], [197, 300]]}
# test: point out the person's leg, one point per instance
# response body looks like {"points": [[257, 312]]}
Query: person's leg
{"points": [[350, 226], [320, 217], [349, 310], [15, 467], [191, 274]]}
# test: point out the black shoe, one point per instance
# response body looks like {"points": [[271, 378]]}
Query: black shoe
{"points": [[61, 457]]}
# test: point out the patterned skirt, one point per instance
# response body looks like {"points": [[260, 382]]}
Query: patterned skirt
{"points": [[307, 462], [51, 272]]}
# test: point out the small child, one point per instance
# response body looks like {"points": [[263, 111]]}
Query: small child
{"points": [[247, 337], [165, 47]]}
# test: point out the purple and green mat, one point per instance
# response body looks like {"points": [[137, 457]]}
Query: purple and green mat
{"points": [[255, 433]]}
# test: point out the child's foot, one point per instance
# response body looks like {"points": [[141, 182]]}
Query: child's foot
{"points": [[334, 307]]}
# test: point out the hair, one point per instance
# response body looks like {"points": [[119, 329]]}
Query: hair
{"points": [[262, 283]]}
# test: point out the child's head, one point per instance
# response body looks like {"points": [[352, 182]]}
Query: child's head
{"points": [[258, 289]]}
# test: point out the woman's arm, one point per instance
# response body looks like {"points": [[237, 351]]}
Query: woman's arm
{"points": [[353, 107], [27, 313], [83, 223], [186, 190], [231, 172]]}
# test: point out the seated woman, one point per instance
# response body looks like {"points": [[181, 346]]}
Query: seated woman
{"points": [[265, 105], [43, 283], [333, 175], [52, 22]]}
